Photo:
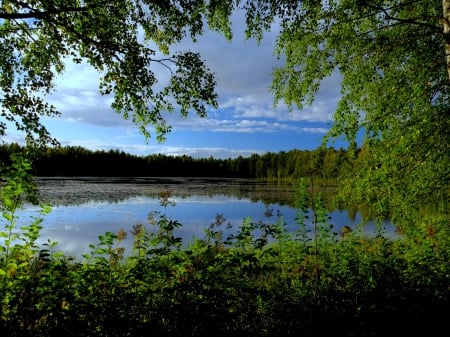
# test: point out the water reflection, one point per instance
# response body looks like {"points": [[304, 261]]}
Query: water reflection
{"points": [[79, 190], [85, 208]]}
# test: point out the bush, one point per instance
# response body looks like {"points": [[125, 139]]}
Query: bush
{"points": [[260, 281]]}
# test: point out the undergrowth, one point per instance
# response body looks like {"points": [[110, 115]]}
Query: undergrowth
{"points": [[261, 280]]}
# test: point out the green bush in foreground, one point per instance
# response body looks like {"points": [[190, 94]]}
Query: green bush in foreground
{"points": [[260, 281]]}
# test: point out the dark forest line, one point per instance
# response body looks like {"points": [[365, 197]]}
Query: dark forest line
{"points": [[294, 164]]}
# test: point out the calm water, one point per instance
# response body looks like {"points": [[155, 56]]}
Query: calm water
{"points": [[84, 208]]}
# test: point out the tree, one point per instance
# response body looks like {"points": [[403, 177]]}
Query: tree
{"points": [[38, 38], [393, 57]]}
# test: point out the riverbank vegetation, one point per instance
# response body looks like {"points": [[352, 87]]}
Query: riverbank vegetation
{"points": [[259, 281]]}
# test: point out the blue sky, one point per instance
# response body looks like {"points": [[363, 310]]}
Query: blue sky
{"points": [[246, 121]]}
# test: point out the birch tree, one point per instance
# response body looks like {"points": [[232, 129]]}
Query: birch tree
{"points": [[393, 59], [124, 40]]}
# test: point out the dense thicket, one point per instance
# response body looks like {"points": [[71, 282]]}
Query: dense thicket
{"points": [[78, 161]]}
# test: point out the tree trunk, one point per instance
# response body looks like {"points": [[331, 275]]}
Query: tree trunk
{"points": [[446, 24]]}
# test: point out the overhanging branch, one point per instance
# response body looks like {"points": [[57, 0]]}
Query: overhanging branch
{"points": [[410, 21], [41, 14], [25, 11]]}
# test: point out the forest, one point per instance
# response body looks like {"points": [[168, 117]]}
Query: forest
{"points": [[295, 164]]}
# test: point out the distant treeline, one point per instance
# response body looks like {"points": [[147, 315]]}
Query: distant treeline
{"points": [[78, 161]]}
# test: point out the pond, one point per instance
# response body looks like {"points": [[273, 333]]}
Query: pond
{"points": [[85, 207]]}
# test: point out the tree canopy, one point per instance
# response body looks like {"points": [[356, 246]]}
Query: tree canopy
{"points": [[38, 38], [393, 59], [392, 56]]}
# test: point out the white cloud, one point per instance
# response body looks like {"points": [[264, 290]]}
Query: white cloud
{"points": [[203, 152], [144, 149], [243, 70], [244, 73]]}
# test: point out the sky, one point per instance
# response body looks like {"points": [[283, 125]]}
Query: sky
{"points": [[245, 122]]}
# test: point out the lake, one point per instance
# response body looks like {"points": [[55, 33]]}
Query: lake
{"points": [[85, 207]]}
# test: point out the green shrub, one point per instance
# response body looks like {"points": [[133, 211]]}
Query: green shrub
{"points": [[260, 281]]}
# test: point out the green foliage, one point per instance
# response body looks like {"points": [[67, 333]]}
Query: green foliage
{"points": [[391, 58], [19, 246], [390, 55], [259, 281], [326, 164], [122, 40]]}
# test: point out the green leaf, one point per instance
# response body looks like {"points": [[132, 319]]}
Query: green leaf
{"points": [[100, 251]]}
